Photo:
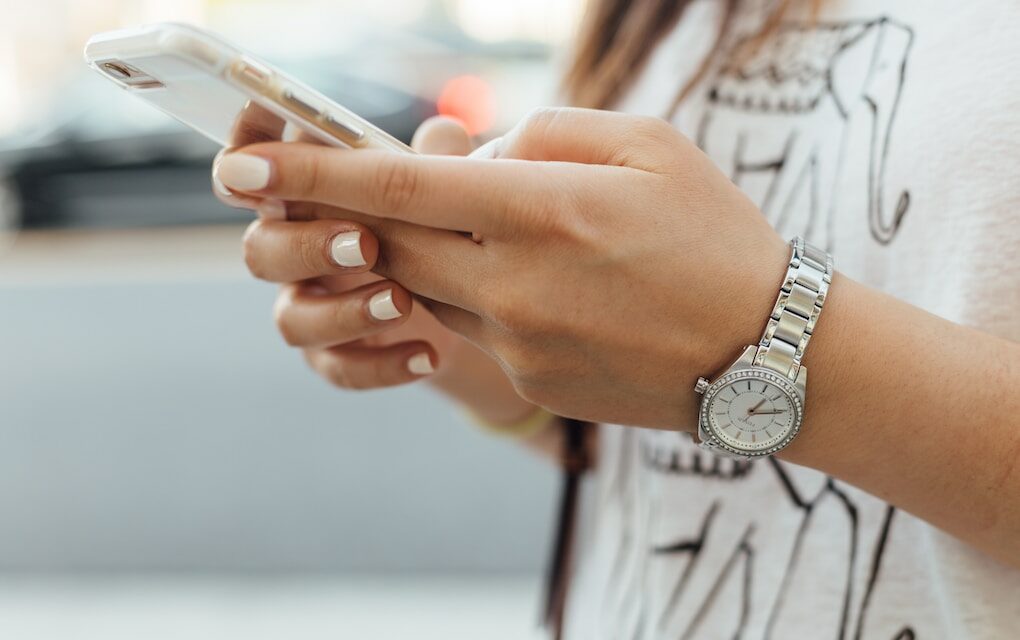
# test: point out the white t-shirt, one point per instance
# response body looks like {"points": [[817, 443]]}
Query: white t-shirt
{"points": [[889, 133]]}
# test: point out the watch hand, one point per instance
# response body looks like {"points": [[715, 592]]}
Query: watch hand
{"points": [[755, 407], [768, 413]]}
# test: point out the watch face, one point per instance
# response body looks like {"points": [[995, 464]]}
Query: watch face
{"points": [[752, 412]]}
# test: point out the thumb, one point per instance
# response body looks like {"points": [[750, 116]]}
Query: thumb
{"points": [[442, 136]]}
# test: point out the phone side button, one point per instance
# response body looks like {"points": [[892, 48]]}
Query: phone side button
{"points": [[349, 134], [250, 73], [302, 104]]}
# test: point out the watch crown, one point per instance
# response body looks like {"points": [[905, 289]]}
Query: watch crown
{"points": [[701, 386]]}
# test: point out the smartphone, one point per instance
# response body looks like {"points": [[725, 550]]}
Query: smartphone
{"points": [[224, 93]]}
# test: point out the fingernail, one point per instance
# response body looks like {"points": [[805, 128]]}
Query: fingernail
{"points": [[420, 364], [346, 250], [218, 186], [381, 306], [243, 172], [272, 209]]}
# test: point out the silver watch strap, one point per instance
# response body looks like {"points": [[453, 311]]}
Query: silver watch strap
{"points": [[797, 309]]}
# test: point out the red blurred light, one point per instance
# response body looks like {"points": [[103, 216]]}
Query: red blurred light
{"points": [[470, 100]]}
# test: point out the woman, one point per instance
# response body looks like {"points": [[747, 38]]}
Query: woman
{"points": [[611, 263]]}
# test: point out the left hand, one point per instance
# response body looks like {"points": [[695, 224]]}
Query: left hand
{"points": [[612, 263]]}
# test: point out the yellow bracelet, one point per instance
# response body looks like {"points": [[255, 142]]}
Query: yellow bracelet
{"points": [[528, 426]]}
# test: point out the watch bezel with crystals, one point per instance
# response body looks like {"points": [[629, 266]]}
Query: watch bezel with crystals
{"points": [[708, 433]]}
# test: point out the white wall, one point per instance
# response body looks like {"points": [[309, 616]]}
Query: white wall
{"points": [[166, 426]]}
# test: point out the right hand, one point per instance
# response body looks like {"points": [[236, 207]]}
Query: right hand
{"points": [[356, 329], [325, 309]]}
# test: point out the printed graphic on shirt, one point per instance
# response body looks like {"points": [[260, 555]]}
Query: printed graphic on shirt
{"points": [[728, 561], [794, 98], [779, 122]]}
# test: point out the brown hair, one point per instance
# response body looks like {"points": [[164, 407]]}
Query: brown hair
{"points": [[617, 36]]}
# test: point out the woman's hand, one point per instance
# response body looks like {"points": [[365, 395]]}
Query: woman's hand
{"points": [[614, 264], [611, 264], [356, 329]]}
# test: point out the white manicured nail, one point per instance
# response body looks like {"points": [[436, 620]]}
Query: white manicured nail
{"points": [[243, 172], [346, 249], [272, 209], [420, 364], [381, 306], [218, 186]]}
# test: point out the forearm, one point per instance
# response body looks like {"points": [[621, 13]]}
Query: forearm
{"points": [[919, 411]]}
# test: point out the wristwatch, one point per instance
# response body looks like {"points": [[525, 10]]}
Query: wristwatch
{"points": [[756, 406]]}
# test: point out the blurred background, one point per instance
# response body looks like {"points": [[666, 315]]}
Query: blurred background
{"points": [[168, 468]]}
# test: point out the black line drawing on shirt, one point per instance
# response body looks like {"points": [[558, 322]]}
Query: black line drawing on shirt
{"points": [[690, 546], [808, 508], [742, 553], [693, 462], [807, 115], [811, 78], [876, 564], [862, 548]]}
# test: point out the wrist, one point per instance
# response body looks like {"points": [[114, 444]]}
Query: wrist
{"points": [[473, 380], [737, 318], [837, 387], [755, 406]]}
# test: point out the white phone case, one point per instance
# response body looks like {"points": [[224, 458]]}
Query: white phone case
{"points": [[224, 93]]}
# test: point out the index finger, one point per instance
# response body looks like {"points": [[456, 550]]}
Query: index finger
{"points": [[254, 123], [461, 194]]}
